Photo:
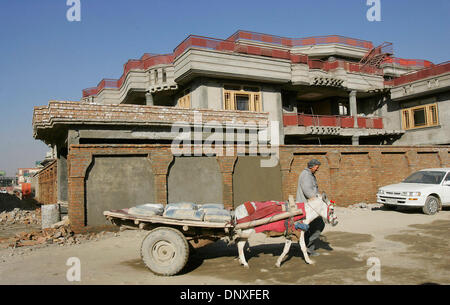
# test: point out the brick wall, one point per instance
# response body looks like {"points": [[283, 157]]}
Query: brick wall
{"points": [[349, 174], [47, 180]]}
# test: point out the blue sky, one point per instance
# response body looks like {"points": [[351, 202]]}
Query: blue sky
{"points": [[45, 57]]}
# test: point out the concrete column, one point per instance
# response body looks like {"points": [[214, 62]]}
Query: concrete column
{"points": [[62, 176], [271, 101], [355, 140], [353, 108], [149, 99]]}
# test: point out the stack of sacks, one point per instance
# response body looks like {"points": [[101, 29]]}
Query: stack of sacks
{"points": [[215, 212], [148, 209], [183, 210]]}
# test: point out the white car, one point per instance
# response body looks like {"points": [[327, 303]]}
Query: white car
{"points": [[427, 188]]}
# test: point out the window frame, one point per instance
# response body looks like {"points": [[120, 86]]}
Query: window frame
{"points": [[254, 97], [185, 100], [431, 116]]}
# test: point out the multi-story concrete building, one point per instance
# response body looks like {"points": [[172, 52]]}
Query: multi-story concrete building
{"points": [[322, 90]]}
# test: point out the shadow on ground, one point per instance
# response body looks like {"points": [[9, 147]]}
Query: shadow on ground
{"points": [[405, 210], [220, 260]]}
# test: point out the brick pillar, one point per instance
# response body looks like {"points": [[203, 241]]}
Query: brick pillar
{"points": [[78, 163], [76, 206], [334, 163], [226, 165], [286, 159], [444, 158], [161, 160], [412, 159], [374, 159]]}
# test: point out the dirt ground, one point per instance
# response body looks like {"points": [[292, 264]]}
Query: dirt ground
{"points": [[412, 248]]}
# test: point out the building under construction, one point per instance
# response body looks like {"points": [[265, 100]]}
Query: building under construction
{"points": [[336, 93]]}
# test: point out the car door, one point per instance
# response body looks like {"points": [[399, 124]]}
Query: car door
{"points": [[445, 190]]}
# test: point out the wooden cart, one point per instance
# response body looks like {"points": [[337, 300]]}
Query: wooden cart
{"points": [[165, 249]]}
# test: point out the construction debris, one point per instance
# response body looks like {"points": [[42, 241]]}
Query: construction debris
{"points": [[18, 216], [61, 234]]}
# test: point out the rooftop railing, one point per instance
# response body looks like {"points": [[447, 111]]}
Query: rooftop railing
{"points": [[147, 61], [237, 47], [421, 74], [292, 42], [408, 62]]}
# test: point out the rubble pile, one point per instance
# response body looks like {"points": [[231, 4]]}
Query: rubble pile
{"points": [[60, 234], [18, 216]]}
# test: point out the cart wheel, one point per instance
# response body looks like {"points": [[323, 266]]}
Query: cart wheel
{"points": [[165, 251]]}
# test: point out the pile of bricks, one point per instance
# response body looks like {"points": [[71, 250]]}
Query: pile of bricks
{"points": [[60, 234], [18, 216]]}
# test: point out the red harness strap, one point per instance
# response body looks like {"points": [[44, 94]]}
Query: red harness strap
{"points": [[249, 207]]}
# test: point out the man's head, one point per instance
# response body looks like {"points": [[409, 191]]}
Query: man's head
{"points": [[313, 165]]}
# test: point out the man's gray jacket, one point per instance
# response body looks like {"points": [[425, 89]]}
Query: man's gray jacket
{"points": [[307, 186]]}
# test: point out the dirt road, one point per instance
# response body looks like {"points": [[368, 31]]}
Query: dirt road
{"points": [[411, 248]]}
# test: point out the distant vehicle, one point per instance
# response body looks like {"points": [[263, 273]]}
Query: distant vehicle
{"points": [[427, 188]]}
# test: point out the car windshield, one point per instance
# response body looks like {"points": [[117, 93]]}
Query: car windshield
{"points": [[426, 177]]}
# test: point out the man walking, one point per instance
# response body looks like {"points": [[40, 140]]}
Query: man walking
{"points": [[307, 188]]}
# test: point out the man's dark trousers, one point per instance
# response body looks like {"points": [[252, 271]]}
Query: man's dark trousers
{"points": [[315, 228]]}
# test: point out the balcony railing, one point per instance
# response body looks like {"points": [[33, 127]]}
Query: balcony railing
{"points": [[352, 67], [408, 62], [331, 121]]}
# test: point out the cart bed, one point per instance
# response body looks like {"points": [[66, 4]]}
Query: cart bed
{"points": [[123, 214]]}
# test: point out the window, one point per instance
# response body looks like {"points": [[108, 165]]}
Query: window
{"points": [[243, 98], [420, 116], [425, 177], [185, 100]]}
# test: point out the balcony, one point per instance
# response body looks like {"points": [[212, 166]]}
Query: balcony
{"points": [[307, 120], [59, 116]]}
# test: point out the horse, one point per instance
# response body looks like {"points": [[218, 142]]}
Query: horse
{"points": [[318, 206]]}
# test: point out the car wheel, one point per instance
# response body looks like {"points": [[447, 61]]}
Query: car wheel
{"points": [[431, 205]]}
